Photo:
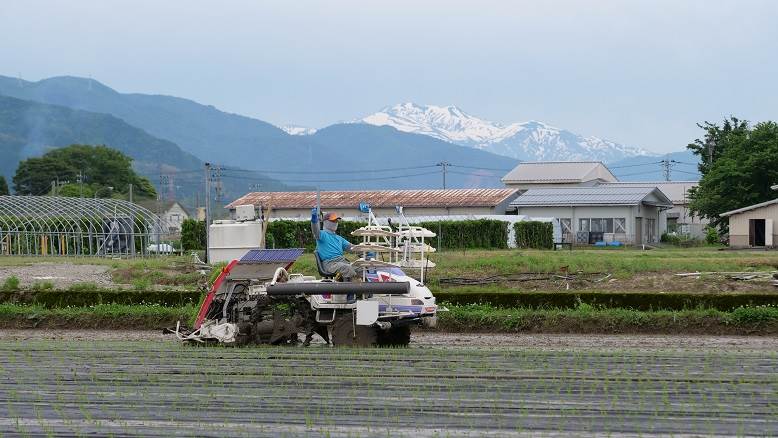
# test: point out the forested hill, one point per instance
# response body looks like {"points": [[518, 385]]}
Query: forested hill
{"points": [[30, 128]]}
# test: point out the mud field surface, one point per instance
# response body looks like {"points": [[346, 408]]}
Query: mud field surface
{"points": [[60, 275], [148, 385]]}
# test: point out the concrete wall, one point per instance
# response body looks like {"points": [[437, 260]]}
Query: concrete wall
{"points": [[739, 228]]}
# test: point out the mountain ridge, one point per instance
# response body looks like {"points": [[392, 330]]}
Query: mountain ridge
{"points": [[532, 140]]}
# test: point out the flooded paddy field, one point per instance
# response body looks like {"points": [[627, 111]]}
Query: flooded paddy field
{"points": [[154, 386]]}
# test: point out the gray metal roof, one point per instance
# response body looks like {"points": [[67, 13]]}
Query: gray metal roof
{"points": [[750, 207], [558, 172], [598, 195], [677, 191]]}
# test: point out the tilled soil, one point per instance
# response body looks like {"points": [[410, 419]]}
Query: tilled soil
{"points": [[60, 275], [160, 388]]}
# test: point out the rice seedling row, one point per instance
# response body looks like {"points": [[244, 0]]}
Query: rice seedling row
{"points": [[165, 389]]}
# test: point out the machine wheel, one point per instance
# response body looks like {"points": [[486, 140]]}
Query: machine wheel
{"points": [[395, 337], [343, 332]]}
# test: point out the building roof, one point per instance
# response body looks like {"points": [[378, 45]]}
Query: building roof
{"points": [[677, 191], [598, 195], [750, 207], [163, 206], [380, 198], [558, 172]]}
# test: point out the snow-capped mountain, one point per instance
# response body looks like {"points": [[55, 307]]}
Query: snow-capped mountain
{"points": [[531, 140], [298, 130]]}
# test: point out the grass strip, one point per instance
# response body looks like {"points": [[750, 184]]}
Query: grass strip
{"points": [[757, 320], [644, 301], [82, 297], [101, 316]]}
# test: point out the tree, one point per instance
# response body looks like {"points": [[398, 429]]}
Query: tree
{"points": [[98, 167], [3, 186], [193, 235], [739, 164]]}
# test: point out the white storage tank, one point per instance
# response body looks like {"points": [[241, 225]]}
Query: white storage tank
{"points": [[229, 240]]}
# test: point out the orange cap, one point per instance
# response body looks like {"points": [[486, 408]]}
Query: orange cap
{"points": [[332, 217]]}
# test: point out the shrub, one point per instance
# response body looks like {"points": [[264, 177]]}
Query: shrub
{"points": [[42, 285], [534, 234], [670, 238], [711, 236], [11, 284]]}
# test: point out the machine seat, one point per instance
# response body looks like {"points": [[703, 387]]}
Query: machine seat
{"points": [[320, 267]]}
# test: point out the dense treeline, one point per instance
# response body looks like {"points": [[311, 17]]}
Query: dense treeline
{"points": [[81, 170]]}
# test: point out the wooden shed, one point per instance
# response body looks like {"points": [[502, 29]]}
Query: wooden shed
{"points": [[754, 226]]}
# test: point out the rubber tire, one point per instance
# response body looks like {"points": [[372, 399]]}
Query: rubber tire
{"points": [[395, 337], [343, 332]]}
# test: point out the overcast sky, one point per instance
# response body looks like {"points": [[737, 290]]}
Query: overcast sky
{"points": [[640, 73]]}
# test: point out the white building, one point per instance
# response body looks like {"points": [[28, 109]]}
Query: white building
{"points": [[602, 213], [546, 174], [171, 212]]}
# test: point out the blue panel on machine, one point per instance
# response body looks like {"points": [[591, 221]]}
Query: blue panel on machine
{"points": [[272, 255]]}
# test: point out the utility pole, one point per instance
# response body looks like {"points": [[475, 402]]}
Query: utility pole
{"points": [[667, 166], [444, 164], [130, 192], [80, 183], [207, 207]]}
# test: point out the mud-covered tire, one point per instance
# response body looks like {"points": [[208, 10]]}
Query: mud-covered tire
{"points": [[395, 337], [343, 332]]}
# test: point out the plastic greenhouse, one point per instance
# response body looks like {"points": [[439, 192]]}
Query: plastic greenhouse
{"points": [[62, 226]]}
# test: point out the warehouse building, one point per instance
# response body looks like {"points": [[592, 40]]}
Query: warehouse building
{"points": [[754, 226], [448, 202], [546, 174], [587, 215]]}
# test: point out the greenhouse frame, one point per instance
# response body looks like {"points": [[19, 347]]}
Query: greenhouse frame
{"points": [[80, 227]]}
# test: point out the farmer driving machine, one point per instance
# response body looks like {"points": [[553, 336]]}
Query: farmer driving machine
{"points": [[258, 300]]}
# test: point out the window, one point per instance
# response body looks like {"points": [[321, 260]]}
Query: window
{"points": [[566, 224], [602, 225], [620, 225]]}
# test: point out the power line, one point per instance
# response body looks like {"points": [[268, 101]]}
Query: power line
{"points": [[480, 168], [474, 174], [690, 173], [242, 178], [634, 165], [637, 173], [336, 172]]}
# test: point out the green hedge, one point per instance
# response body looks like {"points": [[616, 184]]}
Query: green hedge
{"points": [[65, 298], [534, 234], [297, 234], [480, 233], [475, 233], [631, 300]]}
